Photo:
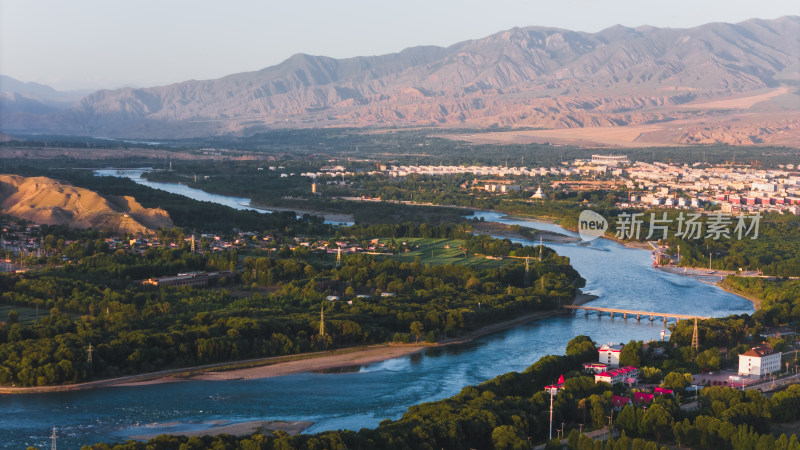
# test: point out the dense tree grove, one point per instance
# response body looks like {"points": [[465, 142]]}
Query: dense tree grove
{"points": [[779, 298], [95, 299]]}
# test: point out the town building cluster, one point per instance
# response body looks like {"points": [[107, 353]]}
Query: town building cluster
{"points": [[734, 188]]}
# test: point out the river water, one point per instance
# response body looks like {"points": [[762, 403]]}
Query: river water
{"points": [[363, 396], [240, 203]]}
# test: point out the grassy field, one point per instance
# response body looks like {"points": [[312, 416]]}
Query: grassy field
{"points": [[789, 428], [430, 251], [445, 251], [25, 314]]}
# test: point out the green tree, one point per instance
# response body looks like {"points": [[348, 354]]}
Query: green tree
{"points": [[582, 346], [709, 359], [657, 422], [508, 437], [13, 316], [631, 354], [650, 374], [628, 420], [598, 413], [417, 329], [677, 380]]}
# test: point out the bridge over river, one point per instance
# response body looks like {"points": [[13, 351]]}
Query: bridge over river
{"points": [[625, 312]]}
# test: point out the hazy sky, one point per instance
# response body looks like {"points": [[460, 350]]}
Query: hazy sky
{"points": [[110, 43]]}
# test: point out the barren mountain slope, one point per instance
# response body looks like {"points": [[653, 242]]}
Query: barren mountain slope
{"points": [[534, 76], [46, 201]]}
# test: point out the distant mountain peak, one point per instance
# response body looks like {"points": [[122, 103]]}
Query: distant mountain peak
{"points": [[525, 76]]}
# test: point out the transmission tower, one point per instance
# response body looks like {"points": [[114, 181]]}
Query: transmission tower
{"points": [[527, 270], [540, 247], [695, 337], [53, 438], [89, 352], [339, 257]]}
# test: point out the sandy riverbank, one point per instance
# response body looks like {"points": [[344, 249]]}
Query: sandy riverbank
{"points": [[635, 244], [235, 429], [716, 278], [361, 357], [583, 298], [328, 216], [507, 231], [756, 301], [697, 272], [549, 236]]}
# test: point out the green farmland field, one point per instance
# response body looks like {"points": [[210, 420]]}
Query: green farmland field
{"points": [[446, 251], [25, 314]]}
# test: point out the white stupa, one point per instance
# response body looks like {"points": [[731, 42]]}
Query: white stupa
{"points": [[538, 193]]}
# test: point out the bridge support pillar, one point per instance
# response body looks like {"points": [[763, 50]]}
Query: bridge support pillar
{"points": [[665, 320], [677, 320], [625, 316], [652, 317], [638, 316], [612, 314], [587, 313]]}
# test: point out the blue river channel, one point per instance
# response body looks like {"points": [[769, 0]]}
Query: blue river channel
{"points": [[361, 397]]}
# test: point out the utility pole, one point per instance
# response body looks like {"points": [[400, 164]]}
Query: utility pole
{"points": [[551, 413], [322, 320]]}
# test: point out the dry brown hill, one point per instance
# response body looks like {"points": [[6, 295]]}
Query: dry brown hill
{"points": [[44, 200]]}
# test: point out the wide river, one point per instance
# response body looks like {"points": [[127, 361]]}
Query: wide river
{"points": [[362, 397]]}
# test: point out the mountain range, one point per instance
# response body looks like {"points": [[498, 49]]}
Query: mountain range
{"points": [[534, 77]]}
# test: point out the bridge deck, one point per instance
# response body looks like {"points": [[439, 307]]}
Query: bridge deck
{"points": [[635, 312]]}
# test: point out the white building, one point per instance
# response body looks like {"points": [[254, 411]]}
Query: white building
{"points": [[764, 187], [609, 354], [610, 160], [759, 361]]}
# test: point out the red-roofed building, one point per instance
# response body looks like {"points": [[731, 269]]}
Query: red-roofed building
{"points": [[619, 402], [595, 367], [759, 361], [662, 391], [642, 398], [553, 388], [627, 374]]}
